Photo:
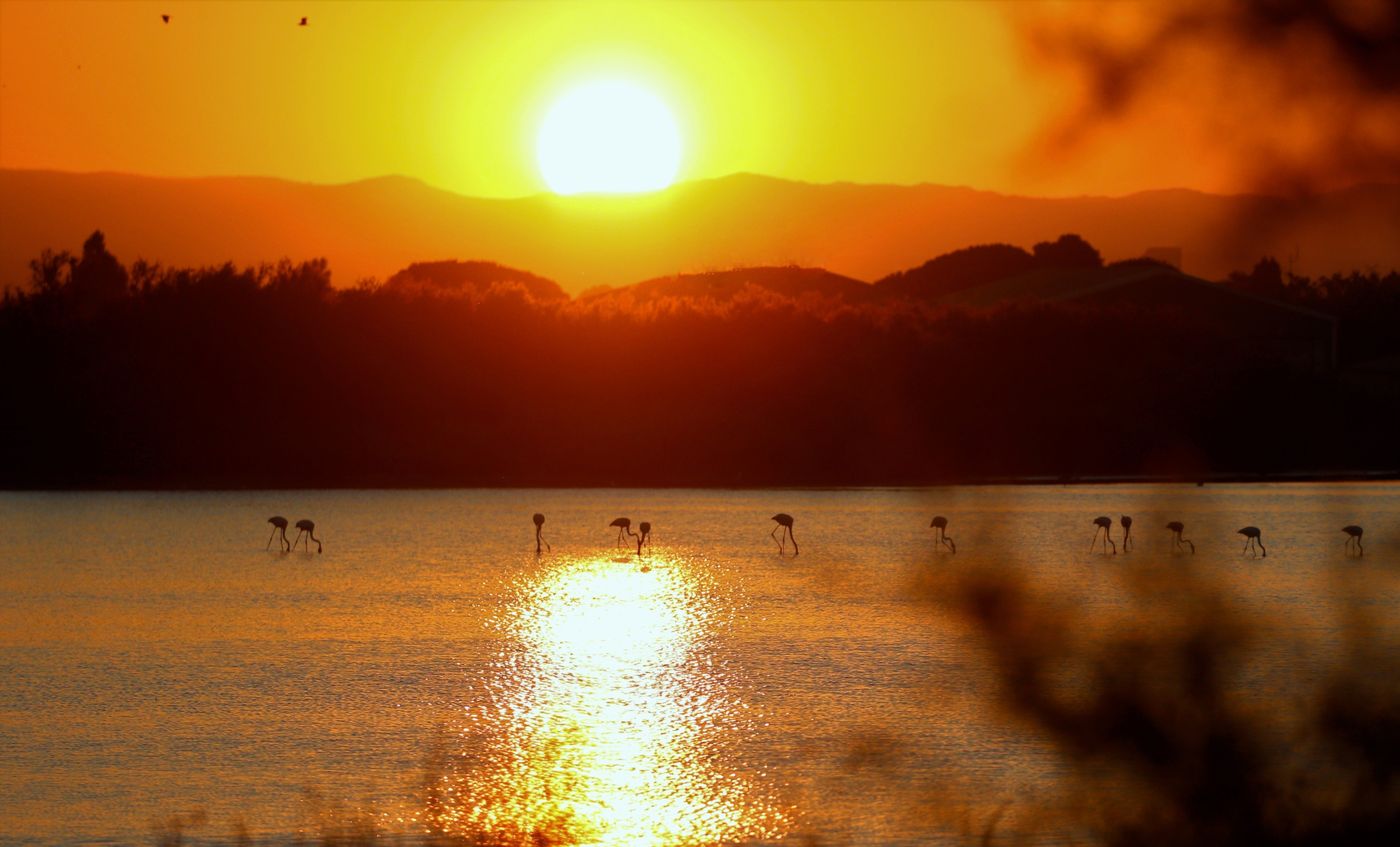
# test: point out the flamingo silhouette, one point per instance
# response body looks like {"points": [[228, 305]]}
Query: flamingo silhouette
{"points": [[1177, 527], [1251, 538], [1127, 522], [303, 22], [784, 522], [940, 523], [308, 527], [644, 536], [624, 525], [539, 528], [1103, 523], [279, 524], [1354, 537]]}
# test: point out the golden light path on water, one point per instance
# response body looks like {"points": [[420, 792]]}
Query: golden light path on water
{"points": [[607, 721]]}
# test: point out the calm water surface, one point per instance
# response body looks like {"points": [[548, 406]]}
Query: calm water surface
{"points": [[428, 670]]}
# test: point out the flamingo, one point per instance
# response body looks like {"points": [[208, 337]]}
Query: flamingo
{"points": [[1127, 522], [623, 525], [1177, 527], [784, 522], [940, 523], [1251, 538], [1102, 522], [539, 528], [644, 536], [308, 527], [1354, 537], [279, 524]]}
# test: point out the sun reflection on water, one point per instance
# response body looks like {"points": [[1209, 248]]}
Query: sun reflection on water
{"points": [[607, 720]]}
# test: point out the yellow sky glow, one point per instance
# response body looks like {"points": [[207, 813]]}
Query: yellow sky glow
{"points": [[454, 94]]}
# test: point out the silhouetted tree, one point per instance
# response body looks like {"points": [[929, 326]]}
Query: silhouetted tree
{"points": [[1067, 252], [98, 278]]}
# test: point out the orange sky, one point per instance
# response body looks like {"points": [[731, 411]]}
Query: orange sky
{"points": [[453, 93]]}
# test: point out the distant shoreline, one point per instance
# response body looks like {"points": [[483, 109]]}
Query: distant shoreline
{"points": [[1392, 475]]}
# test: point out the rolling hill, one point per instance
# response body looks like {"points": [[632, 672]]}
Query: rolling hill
{"points": [[376, 227]]}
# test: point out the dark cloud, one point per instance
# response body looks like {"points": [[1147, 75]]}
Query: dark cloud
{"points": [[1299, 95]]}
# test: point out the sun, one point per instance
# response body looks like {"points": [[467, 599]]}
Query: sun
{"points": [[608, 136]]}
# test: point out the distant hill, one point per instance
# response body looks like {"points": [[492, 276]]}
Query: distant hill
{"points": [[377, 226], [961, 269], [723, 285], [457, 277]]}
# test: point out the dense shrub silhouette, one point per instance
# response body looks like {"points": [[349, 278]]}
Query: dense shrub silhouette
{"points": [[960, 269], [270, 376]]}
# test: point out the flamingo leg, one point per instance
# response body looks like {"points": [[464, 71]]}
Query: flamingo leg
{"points": [[1193, 545], [1263, 551], [793, 538], [270, 537], [774, 535], [1095, 542], [953, 548], [287, 545]]}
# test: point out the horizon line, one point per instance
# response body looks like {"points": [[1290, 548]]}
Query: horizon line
{"points": [[641, 195]]}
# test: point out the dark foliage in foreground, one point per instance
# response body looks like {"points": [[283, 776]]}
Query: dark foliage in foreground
{"points": [[1169, 731], [227, 377]]}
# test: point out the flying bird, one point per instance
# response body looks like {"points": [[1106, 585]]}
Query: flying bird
{"points": [[784, 521], [1103, 522], [308, 527], [940, 523]]}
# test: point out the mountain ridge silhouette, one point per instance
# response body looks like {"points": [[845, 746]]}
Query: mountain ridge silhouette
{"points": [[377, 226]]}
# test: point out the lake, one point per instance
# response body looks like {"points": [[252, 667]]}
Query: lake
{"points": [[429, 670]]}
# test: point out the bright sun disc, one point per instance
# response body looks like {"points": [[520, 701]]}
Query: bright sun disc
{"points": [[608, 136]]}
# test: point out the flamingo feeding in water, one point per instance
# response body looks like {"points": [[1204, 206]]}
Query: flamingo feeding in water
{"points": [[784, 521], [1127, 522], [1102, 522], [308, 527], [624, 525], [1354, 538], [643, 537], [1177, 527], [1253, 537], [940, 523], [539, 530], [279, 524]]}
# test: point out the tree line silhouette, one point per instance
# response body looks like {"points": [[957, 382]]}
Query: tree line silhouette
{"points": [[456, 374]]}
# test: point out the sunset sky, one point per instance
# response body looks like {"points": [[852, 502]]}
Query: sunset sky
{"points": [[454, 94]]}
